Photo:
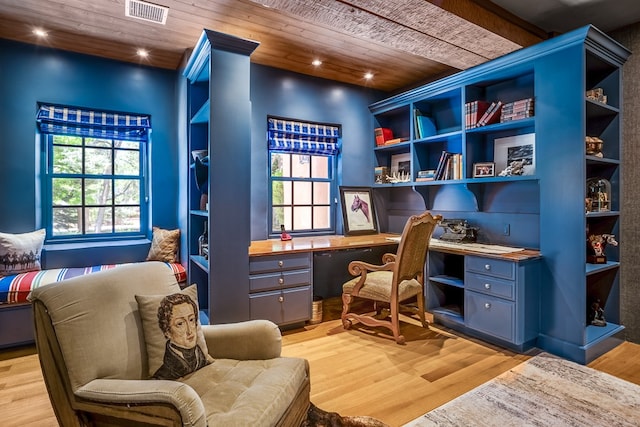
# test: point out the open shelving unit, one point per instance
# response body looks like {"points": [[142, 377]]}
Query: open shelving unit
{"points": [[544, 208]]}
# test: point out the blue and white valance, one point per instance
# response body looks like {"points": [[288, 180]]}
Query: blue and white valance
{"points": [[94, 124], [303, 138]]}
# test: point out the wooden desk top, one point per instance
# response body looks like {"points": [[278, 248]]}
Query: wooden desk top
{"points": [[334, 242], [318, 243]]}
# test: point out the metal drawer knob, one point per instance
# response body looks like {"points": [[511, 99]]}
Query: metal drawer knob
{"points": [[281, 280], [487, 266], [487, 305], [280, 263], [487, 285], [280, 298]]}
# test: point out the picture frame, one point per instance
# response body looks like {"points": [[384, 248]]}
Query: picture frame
{"points": [[358, 211], [401, 166], [484, 170], [513, 148]]}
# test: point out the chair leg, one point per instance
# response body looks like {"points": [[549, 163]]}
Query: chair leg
{"points": [[395, 324], [346, 303], [421, 310]]}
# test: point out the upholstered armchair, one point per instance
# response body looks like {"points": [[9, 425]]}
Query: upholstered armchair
{"points": [[399, 279], [91, 343]]}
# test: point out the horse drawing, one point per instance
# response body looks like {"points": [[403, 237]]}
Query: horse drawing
{"points": [[359, 204]]}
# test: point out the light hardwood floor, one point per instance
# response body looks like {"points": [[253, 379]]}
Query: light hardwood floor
{"points": [[352, 372]]}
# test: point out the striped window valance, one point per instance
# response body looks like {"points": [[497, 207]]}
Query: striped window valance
{"points": [[302, 137], [94, 124]]}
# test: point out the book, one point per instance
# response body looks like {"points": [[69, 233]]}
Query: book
{"points": [[426, 126], [395, 141], [382, 135], [474, 110], [441, 170], [492, 115]]}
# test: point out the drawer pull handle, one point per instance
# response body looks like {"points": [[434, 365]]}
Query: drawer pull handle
{"points": [[281, 280], [487, 267], [487, 285], [280, 263], [280, 298], [487, 305]]}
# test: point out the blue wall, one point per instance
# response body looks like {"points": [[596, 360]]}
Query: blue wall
{"points": [[30, 74], [281, 93]]}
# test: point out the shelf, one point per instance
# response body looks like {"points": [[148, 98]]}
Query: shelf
{"points": [[597, 268], [202, 115], [448, 280], [598, 333], [448, 315], [496, 127], [198, 212], [595, 160], [201, 262], [440, 137], [603, 214]]}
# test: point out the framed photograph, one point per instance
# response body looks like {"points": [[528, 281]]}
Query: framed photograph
{"points": [[358, 212], [483, 170], [401, 165], [517, 152]]}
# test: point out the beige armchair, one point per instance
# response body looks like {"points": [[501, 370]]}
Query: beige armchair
{"points": [[399, 279], [93, 356]]}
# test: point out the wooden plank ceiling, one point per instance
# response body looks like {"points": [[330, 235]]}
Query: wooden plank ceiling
{"points": [[402, 43]]}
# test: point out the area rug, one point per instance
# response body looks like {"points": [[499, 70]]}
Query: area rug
{"points": [[543, 391], [317, 417]]}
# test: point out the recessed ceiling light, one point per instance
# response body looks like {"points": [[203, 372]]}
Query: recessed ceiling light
{"points": [[143, 53], [316, 62], [368, 76], [39, 32]]}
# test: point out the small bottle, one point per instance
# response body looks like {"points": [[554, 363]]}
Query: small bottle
{"points": [[203, 242]]}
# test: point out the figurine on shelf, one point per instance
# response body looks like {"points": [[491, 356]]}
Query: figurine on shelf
{"points": [[283, 234], [596, 245], [596, 314], [516, 167]]}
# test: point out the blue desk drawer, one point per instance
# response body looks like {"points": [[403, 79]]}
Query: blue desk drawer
{"points": [[263, 264], [490, 285], [490, 267], [282, 307], [491, 315], [286, 279]]}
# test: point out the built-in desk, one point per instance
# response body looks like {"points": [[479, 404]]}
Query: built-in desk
{"points": [[480, 290]]}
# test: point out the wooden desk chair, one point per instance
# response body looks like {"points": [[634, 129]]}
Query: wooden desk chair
{"points": [[400, 278]]}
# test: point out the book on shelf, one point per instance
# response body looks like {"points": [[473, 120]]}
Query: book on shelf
{"points": [[441, 165], [492, 115], [423, 125], [517, 110], [395, 141], [426, 175], [382, 135], [449, 166], [474, 110]]}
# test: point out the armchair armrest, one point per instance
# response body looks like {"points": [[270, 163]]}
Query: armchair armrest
{"points": [[119, 392], [250, 340]]}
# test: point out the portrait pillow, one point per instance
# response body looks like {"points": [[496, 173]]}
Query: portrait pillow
{"points": [[164, 245], [172, 333], [20, 253]]}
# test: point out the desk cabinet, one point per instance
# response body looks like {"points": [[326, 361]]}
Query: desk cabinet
{"points": [[494, 299], [280, 287]]}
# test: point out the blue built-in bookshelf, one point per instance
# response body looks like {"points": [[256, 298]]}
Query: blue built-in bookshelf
{"points": [[545, 118]]}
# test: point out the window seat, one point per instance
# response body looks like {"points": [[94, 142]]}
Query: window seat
{"points": [[16, 321]]}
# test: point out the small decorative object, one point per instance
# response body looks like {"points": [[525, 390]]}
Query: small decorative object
{"points": [[399, 176], [483, 170], [203, 242], [596, 314], [381, 174], [596, 245], [597, 95], [458, 230], [515, 168], [593, 146], [599, 194], [284, 236]]}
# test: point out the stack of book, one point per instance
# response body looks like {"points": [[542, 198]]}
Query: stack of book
{"points": [[382, 135], [449, 166], [473, 111], [426, 175], [517, 110]]}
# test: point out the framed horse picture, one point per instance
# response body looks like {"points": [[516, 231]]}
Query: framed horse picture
{"points": [[358, 212]]}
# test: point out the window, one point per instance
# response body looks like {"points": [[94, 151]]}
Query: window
{"points": [[93, 176], [302, 159]]}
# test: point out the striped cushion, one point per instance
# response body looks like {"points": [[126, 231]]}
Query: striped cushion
{"points": [[14, 289]]}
